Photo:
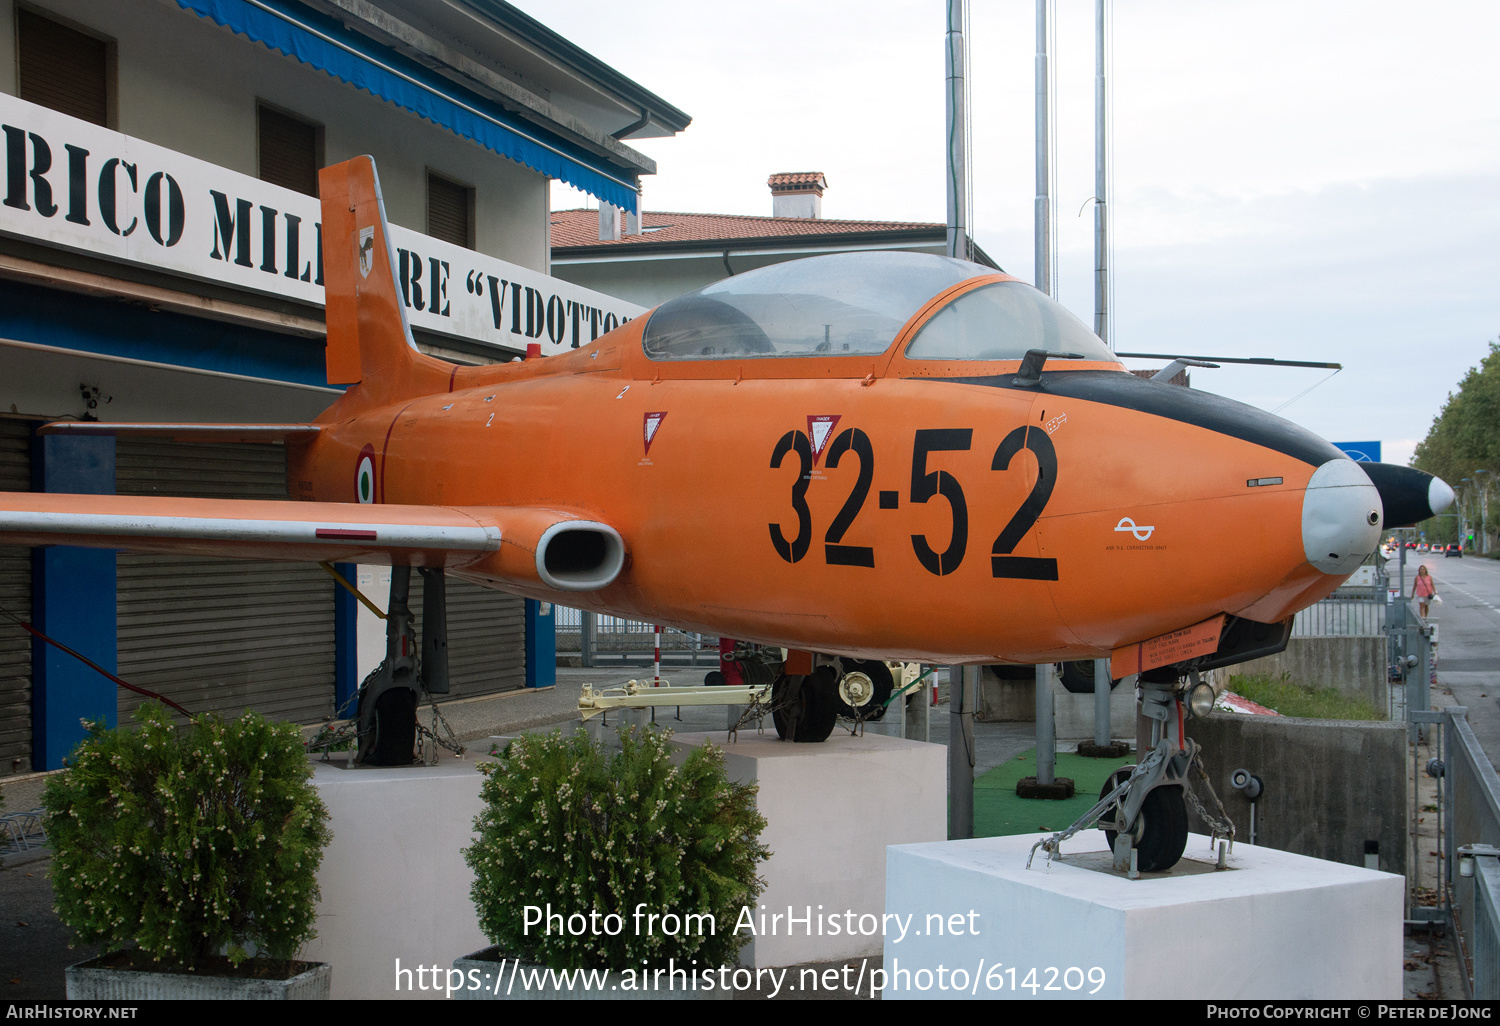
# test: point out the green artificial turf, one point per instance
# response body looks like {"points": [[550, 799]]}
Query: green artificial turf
{"points": [[998, 812]]}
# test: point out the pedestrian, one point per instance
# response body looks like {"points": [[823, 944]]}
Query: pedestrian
{"points": [[1423, 590]]}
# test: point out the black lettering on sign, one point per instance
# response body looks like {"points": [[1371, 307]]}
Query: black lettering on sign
{"points": [[437, 289], [41, 163], [268, 240], [15, 167], [293, 242], [411, 278], [515, 307], [536, 313], [177, 214], [318, 249], [835, 554], [497, 298], [575, 314], [557, 320], [1002, 563], [78, 185], [224, 222], [925, 484], [794, 550]]}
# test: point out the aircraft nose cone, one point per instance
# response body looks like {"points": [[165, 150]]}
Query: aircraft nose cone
{"points": [[1341, 517], [1408, 495]]}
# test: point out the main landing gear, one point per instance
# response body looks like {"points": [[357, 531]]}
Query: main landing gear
{"points": [[389, 696]]}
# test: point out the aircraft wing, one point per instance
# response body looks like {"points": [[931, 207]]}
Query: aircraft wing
{"points": [[251, 528], [525, 548]]}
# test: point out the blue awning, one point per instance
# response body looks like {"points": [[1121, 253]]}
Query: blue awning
{"points": [[327, 45]]}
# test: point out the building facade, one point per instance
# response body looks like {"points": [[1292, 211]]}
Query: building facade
{"points": [[160, 260], [664, 255]]}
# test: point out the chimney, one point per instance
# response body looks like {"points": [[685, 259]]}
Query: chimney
{"points": [[797, 194]]}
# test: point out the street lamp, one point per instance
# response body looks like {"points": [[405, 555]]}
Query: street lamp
{"points": [[1463, 511], [1484, 508]]}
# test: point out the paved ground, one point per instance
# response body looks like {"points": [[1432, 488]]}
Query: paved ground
{"points": [[33, 944]]}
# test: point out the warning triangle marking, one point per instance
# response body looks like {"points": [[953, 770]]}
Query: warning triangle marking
{"points": [[649, 426], [819, 431]]}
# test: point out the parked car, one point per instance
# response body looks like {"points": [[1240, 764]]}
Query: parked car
{"points": [[1454, 550]]}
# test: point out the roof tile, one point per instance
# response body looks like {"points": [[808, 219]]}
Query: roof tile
{"points": [[581, 228]]}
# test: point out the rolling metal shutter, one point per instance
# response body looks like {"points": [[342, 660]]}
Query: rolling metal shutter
{"points": [[220, 635], [486, 638], [15, 595]]}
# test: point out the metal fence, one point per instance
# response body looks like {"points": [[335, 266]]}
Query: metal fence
{"points": [[597, 639], [1472, 817]]}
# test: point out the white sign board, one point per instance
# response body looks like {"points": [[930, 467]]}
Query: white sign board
{"points": [[72, 184]]}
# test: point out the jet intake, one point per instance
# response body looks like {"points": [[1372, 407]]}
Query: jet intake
{"points": [[555, 549]]}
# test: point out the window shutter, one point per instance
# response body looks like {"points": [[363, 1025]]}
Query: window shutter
{"points": [[448, 211], [288, 152], [62, 68]]}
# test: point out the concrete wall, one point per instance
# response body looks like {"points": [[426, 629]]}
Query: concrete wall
{"points": [[1330, 785], [189, 85], [1353, 665]]}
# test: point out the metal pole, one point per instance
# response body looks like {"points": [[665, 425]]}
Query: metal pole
{"points": [[1101, 181], [1046, 737], [918, 713], [963, 688], [586, 638], [1102, 696], [1042, 217], [956, 63]]}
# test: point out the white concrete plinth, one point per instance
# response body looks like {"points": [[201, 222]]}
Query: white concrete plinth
{"points": [[393, 881], [831, 809], [1275, 925]]}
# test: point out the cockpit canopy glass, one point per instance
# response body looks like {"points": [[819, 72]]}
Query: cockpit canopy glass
{"points": [[846, 304], [1001, 322]]}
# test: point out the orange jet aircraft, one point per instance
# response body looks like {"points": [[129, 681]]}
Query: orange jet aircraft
{"points": [[869, 455]]}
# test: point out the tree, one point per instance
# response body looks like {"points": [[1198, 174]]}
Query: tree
{"points": [[1464, 437]]}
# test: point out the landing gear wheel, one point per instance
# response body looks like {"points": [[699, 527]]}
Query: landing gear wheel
{"points": [[393, 738], [806, 708], [1078, 677], [1115, 779], [880, 676], [1163, 836]]}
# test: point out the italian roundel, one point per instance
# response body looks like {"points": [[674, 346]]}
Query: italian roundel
{"points": [[364, 475]]}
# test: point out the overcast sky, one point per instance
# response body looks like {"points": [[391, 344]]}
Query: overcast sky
{"points": [[1305, 180]]}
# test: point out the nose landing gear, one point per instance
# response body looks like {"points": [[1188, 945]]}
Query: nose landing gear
{"points": [[1147, 803]]}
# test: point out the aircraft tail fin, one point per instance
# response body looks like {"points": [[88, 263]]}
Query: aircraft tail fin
{"points": [[369, 340]]}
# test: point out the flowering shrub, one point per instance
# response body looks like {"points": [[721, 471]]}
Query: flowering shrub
{"points": [[566, 825], [185, 842]]}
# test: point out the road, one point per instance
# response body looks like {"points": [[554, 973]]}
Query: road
{"points": [[1468, 619]]}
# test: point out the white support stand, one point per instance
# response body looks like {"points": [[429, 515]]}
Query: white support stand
{"points": [[394, 883], [1271, 926], [831, 809]]}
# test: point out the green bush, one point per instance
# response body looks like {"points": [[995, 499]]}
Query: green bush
{"points": [[566, 825], [188, 842]]}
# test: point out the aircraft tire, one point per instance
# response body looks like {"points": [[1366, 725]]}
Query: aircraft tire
{"points": [[1110, 783], [1164, 832], [778, 705], [880, 676], [1078, 677], [395, 731], [820, 706]]}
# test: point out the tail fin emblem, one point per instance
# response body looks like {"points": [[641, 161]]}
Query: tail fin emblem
{"points": [[366, 250]]}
